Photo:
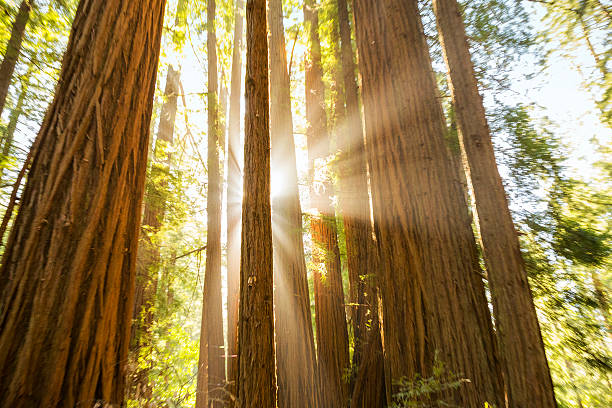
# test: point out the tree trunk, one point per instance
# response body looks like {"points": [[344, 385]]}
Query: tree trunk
{"points": [[432, 293], [211, 368], [13, 49], [524, 362], [369, 389], [148, 258], [354, 198], [234, 201], [295, 354], [332, 336], [68, 269], [9, 135], [256, 374]]}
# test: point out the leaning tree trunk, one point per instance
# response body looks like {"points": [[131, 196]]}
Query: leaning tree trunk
{"points": [[256, 374], [234, 200], [432, 295], [211, 364], [13, 49], [295, 355], [9, 134], [68, 269], [330, 317], [524, 362]]}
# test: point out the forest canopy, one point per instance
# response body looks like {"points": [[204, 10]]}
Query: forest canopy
{"points": [[318, 203]]}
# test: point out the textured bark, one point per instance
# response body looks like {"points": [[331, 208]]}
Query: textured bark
{"points": [[13, 49], [354, 198], [256, 374], [211, 364], [330, 317], [234, 201], [295, 356], [369, 389], [68, 269], [432, 293], [524, 362]]}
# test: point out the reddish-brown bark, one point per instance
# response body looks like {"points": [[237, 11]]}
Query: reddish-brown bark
{"points": [[526, 370], [68, 269], [256, 375], [432, 295], [211, 364], [355, 200], [330, 316]]}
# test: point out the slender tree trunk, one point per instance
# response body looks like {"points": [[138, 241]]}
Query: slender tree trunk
{"points": [[234, 201], [211, 366], [432, 294], [256, 374], [369, 389], [293, 323], [332, 336], [69, 266], [9, 135], [148, 258], [354, 198], [13, 49], [526, 370]]}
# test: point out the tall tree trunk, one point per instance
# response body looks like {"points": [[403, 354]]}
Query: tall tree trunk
{"points": [[13, 49], [148, 258], [69, 266], [9, 135], [234, 201], [524, 362], [256, 374], [211, 365], [354, 198], [332, 336], [432, 293], [295, 353]]}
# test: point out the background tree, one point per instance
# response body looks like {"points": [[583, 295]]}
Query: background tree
{"points": [[330, 317], [234, 200], [523, 359], [211, 364], [13, 49], [295, 355]]}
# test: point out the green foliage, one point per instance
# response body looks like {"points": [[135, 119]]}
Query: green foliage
{"points": [[425, 392]]}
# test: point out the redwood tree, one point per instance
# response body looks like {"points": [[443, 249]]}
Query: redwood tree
{"points": [[148, 257], [354, 198], [524, 360], [256, 376], [293, 323], [211, 363], [234, 199], [68, 268], [13, 49], [330, 316], [432, 292]]}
